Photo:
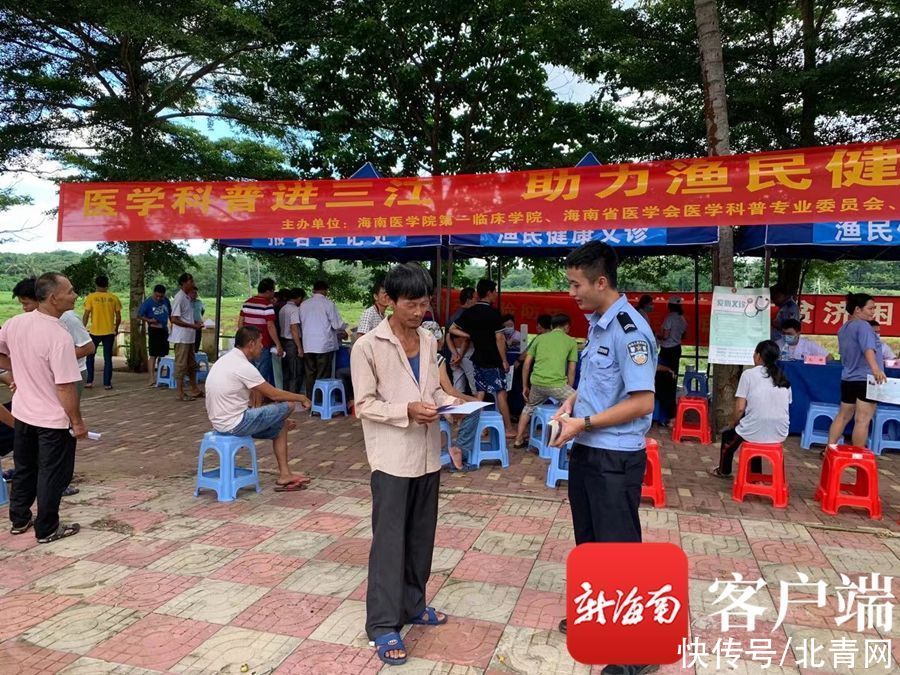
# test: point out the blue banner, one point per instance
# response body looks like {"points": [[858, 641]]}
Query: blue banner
{"points": [[325, 242], [863, 233], [647, 236]]}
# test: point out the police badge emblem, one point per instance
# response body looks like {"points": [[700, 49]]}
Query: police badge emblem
{"points": [[639, 352]]}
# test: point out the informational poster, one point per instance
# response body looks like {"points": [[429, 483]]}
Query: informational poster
{"points": [[740, 320], [889, 392]]}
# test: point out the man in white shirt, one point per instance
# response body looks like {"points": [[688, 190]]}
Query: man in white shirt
{"points": [[322, 330], [794, 347], [228, 387], [183, 334], [291, 339]]}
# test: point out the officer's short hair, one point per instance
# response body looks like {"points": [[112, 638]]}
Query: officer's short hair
{"points": [[560, 320], [595, 259]]}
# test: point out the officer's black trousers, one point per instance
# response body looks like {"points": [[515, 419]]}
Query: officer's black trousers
{"points": [[404, 519], [604, 493]]}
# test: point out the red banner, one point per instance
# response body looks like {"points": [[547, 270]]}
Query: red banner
{"points": [[821, 314], [826, 184]]}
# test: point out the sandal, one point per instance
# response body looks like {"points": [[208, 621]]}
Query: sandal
{"points": [[432, 619], [108, 387], [518, 445], [88, 385], [70, 491], [62, 532], [185, 398], [715, 471], [390, 642], [21, 529], [293, 486]]}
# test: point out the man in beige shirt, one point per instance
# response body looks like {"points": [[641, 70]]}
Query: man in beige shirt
{"points": [[398, 393]]}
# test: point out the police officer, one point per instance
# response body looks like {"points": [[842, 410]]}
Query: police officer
{"points": [[611, 412]]}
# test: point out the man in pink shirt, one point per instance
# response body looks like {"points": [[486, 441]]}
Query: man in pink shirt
{"points": [[39, 351]]}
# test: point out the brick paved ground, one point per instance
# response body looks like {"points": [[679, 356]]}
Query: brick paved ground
{"points": [[160, 581]]}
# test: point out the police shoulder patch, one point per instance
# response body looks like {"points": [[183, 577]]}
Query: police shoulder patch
{"points": [[639, 352], [627, 323]]}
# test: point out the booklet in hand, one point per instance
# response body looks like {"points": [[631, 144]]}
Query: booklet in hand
{"points": [[463, 409]]}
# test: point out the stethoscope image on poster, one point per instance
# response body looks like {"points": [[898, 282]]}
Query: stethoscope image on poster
{"points": [[755, 305]]}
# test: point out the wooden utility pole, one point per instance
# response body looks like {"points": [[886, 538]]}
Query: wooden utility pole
{"points": [[715, 111]]}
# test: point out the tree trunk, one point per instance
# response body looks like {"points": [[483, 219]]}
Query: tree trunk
{"points": [[137, 352], [715, 110]]}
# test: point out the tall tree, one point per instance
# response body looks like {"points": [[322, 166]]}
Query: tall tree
{"points": [[108, 89]]}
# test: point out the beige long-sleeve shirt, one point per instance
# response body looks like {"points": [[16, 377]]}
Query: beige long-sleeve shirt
{"points": [[383, 386]]}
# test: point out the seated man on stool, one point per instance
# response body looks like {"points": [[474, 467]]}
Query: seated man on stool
{"points": [[228, 387]]}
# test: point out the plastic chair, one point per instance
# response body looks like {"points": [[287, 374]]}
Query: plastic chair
{"points": [[228, 478], [539, 432], [862, 493], [446, 442], [495, 447], [653, 487], [202, 366], [331, 398], [774, 485], [811, 435], [558, 468], [885, 430], [696, 384], [165, 371], [700, 430]]}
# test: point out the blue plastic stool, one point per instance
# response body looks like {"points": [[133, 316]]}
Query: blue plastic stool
{"points": [[696, 384], [495, 447], [885, 435], [331, 399], [446, 442], [559, 464], [817, 436], [165, 371], [4, 494], [540, 429], [228, 478], [202, 366]]}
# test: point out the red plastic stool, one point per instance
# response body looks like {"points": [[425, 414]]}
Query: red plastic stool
{"points": [[862, 493], [701, 430], [773, 486], [653, 486]]}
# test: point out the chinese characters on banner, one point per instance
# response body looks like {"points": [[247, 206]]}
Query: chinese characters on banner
{"points": [[626, 603], [862, 609], [871, 232], [826, 184]]}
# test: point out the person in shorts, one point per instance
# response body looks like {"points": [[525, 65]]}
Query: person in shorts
{"points": [[228, 385], [155, 312], [860, 358], [483, 325], [550, 362]]}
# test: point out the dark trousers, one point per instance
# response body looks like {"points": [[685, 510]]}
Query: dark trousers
{"points": [[604, 494], [291, 367], [404, 519], [45, 462], [671, 357], [198, 338], [107, 342], [666, 393], [730, 444], [318, 367]]}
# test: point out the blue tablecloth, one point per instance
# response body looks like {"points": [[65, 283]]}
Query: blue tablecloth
{"points": [[814, 383]]}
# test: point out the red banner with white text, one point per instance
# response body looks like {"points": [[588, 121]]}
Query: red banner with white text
{"points": [[820, 314], [825, 184]]}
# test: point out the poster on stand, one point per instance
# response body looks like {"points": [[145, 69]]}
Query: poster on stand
{"points": [[739, 321]]}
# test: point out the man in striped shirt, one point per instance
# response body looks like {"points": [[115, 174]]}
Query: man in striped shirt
{"points": [[259, 312]]}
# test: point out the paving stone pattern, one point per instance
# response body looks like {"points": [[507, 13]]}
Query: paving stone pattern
{"points": [[160, 581]]}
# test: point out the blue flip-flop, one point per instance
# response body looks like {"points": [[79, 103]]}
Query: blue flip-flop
{"points": [[432, 619], [387, 643]]}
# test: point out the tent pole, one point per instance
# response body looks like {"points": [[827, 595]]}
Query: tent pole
{"points": [[697, 312], [499, 284], [439, 274], [449, 282], [218, 298], [767, 267]]}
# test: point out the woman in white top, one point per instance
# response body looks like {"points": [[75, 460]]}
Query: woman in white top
{"points": [[761, 410], [673, 329]]}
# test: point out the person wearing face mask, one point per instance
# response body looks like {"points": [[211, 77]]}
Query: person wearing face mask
{"points": [[512, 336], [860, 357], [793, 346]]}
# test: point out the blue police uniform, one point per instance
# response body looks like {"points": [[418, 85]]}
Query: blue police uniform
{"points": [[607, 466]]}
